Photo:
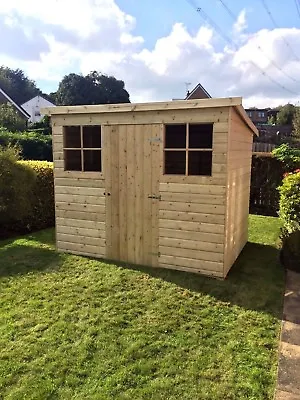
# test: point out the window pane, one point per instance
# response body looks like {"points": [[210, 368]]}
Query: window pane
{"points": [[92, 160], [92, 136], [72, 160], [72, 136], [200, 163], [175, 137], [200, 136], [175, 162]]}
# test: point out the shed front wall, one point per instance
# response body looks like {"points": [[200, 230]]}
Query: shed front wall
{"points": [[192, 213], [238, 188], [110, 214], [80, 206]]}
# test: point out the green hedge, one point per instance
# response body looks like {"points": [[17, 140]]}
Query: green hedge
{"points": [[16, 184], [32, 145], [289, 213], [33, 208]]}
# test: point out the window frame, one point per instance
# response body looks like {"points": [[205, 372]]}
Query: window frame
{"points": [[83, 149], [187, 149]]}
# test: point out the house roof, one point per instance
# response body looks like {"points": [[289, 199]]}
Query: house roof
{"points": [[10, 100], [157, 106], [38, 96], [199, 86]]}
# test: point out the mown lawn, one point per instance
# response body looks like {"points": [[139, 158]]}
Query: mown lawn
{"points": [[77, 328]]}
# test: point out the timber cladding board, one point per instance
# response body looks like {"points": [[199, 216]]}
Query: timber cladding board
{"points": [[238, 183], [132, 212]]}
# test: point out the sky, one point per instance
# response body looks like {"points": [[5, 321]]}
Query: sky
{"points": [[160, 47]]}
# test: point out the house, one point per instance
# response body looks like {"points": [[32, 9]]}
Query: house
{"points": [[260, 116], [161, 184], [198, 93], [33, 108], [5, 98]]}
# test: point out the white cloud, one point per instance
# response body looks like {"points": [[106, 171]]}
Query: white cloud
{"points": [[85, 35], [241, 24]]}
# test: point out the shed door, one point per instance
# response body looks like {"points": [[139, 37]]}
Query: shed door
{"points": [[132, 168]]}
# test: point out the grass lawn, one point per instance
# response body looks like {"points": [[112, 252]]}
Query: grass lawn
{"points": [[77, 328]]}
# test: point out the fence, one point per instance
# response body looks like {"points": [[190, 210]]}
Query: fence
{"points": [[263, 147], [266, 176]]}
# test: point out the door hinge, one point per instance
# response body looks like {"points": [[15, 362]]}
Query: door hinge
{"points": [[153, 196], [155, 139]]}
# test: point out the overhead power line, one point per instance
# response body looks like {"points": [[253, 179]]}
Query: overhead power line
{"points": [[234, 18], [297, 3], [215, 26], [264, 3]]}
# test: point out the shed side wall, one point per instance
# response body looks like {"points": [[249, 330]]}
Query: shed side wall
{"points": [[192, 211], [79, 205], [238, 188]]}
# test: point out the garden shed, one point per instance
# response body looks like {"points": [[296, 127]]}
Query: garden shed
{"points": [[161, 184]]}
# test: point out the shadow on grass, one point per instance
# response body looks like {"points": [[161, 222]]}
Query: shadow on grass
{"points": [[21, 259], [256, 280]]}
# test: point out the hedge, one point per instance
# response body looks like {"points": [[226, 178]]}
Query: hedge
{"points": [[290, 215], [32, 145], [40, 196], [16, 184]]}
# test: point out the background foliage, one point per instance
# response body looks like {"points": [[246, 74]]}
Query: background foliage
{"points": [[32, 145], [26, 194]]}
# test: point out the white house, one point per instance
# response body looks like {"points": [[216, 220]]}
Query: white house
{"points": [[33, 107]]}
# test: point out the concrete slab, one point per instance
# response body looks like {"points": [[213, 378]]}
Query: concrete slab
{"points": [[289, 368]]}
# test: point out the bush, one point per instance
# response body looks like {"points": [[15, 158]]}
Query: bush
{"points": [[33, 145], [26, 194], [290, 157], [10, 118], [290, 216], [16, 184], [42, 211], [290, 202]]}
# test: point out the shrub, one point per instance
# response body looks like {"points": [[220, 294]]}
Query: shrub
{"points": [[290, 157], [16, 184], [290, 216], [33, 145], [42, 211], [31, 209], [10, 118], [290, 202]]}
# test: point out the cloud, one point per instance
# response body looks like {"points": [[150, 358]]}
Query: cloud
{"points": [[241, 24], [85, 35]]}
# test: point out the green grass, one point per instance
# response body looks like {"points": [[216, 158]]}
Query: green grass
{"points": [[77, 328]]}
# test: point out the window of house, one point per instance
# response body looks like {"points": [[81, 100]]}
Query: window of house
{"points": [[261, 114], [82, 148], [249, 113], [188, 149]]}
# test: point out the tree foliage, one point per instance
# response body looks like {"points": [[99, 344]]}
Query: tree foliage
{"points": [[296, 127], [94, 88], [10, 118], [286, 115], [17, 85]]}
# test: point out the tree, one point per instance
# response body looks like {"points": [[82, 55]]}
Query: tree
{"points": [[286, 115], [296, 127], [94, 88], [10, 118], [17, 85]]}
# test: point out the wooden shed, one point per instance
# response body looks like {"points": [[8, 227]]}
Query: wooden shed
{"points": [[161, 184]]}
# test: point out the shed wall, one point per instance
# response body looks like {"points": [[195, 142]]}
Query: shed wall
{"points": [[192, 212], [238, 188], [79, 206]]}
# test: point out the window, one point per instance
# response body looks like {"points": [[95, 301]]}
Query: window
{"points": [[249, 114], [188, 149], [261, 114], [82, 148]]}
